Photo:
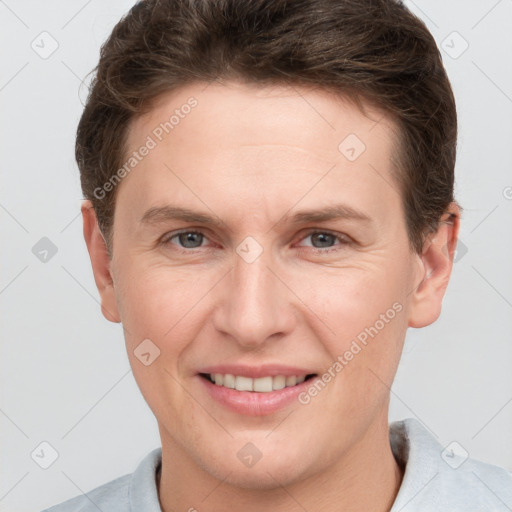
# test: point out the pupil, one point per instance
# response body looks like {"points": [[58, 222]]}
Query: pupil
{"points": [[190, 240], [325, 239]]}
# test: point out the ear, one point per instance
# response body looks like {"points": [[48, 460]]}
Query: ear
{"points": [[101, 262], [436, 261]]}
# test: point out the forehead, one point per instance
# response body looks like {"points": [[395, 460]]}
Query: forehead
{"points": [[223, 114], [260, 143]]}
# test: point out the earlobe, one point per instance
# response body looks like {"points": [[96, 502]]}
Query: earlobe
{"points": [[435, 264], [100, 262]]}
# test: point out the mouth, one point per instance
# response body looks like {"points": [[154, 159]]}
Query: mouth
{"points": [[258, 395], [266, 384]]}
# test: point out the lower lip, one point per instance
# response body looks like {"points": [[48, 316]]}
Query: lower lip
{"points": [[253, 403]]}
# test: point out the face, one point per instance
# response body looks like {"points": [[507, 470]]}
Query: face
{"points": [[261, 242]]}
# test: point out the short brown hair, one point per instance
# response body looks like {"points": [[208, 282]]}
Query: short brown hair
{"points": [[376, 51]]}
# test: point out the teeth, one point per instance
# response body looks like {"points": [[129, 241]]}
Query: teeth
{"points": [[243, 383], [278, 382], [261, 384], [291, 381], [229, 380]]}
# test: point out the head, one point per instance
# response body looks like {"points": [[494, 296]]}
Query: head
{"points": [[269, 183]]}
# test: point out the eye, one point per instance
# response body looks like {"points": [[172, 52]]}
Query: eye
{"points": [[325, 239], [320, 240], [186, 239]]}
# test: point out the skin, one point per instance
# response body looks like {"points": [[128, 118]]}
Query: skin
{"points": [[248, 155]]}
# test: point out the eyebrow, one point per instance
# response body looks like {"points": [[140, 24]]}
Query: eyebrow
{"points": [[334, 212], [161, 214]]}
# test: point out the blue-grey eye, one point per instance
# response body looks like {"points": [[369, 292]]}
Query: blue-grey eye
{"points": [[190, 239], [323, 239]]}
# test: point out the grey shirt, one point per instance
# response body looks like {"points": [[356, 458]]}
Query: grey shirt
{"points": [[435, 480]]}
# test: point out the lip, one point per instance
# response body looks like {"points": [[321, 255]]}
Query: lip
{"points": [[255, 372], [254, 403]]}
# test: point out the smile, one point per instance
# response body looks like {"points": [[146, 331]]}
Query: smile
{"points": [[255, 396], [259, 385]]}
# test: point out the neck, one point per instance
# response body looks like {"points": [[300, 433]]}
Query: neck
{"points": [[365, 478]]}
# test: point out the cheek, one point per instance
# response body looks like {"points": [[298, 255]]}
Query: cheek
{"points": [[159, 303], [365, 310], [164, 306], [350, 300]]}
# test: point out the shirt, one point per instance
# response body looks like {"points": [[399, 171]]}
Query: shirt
{"points": [[435, 480]]}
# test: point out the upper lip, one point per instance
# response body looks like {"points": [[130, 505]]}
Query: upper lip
{"points": [[254, 372]]}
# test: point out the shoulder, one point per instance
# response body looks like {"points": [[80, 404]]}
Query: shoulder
{"points": [[134, 491], [113, 495], [445, 478]]}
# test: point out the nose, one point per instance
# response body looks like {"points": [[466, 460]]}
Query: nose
{"points": [[255, 305]]}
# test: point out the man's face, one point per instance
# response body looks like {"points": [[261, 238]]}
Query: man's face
{"points": [[265, 289]]}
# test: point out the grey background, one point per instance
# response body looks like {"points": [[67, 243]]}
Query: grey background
{"points": [[65, 377]]}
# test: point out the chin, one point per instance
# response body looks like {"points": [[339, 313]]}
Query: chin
{"points": [[264, 478], [269, 472]]}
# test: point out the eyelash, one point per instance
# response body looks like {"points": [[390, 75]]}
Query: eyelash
{"points": [[343, 240]]}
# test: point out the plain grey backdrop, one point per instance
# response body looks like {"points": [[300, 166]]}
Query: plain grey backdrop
{"points": [[65, 377]]}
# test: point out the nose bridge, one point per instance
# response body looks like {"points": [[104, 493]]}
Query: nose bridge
{"points": [[255, 304]]}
